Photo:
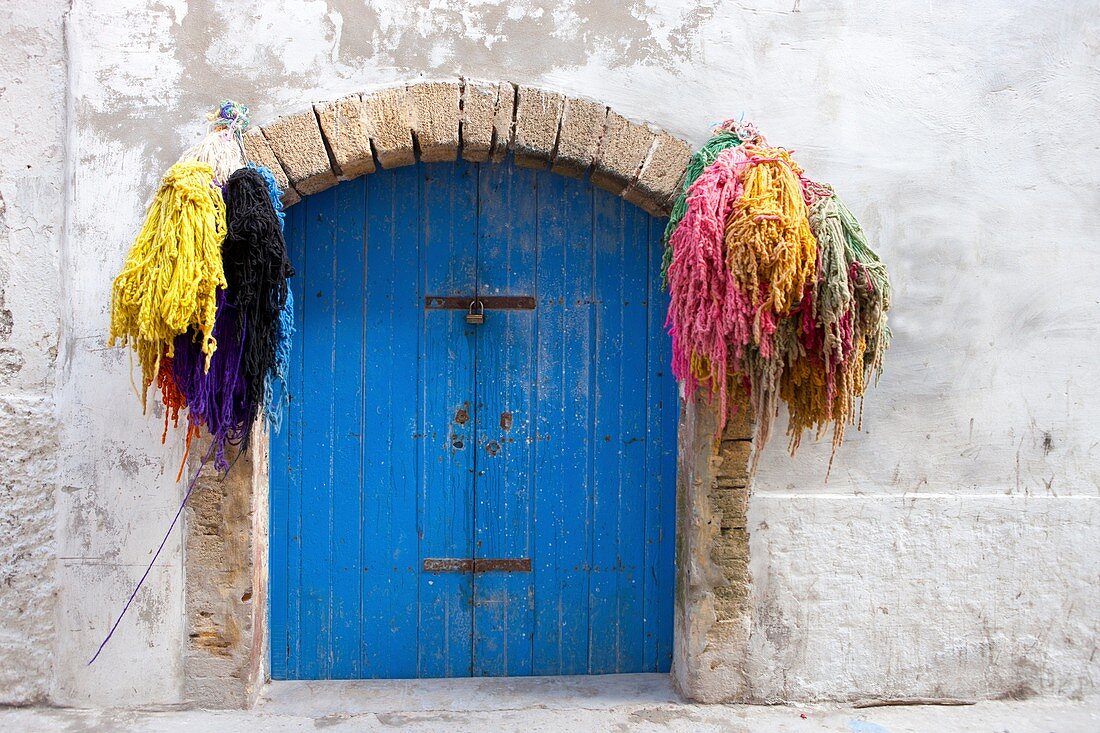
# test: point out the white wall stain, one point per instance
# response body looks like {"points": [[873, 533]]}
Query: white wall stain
{"points": [[962, 135]]}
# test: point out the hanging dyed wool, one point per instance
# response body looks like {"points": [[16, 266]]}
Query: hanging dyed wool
{"points": [[257, 268], [708, 316], [699, 160], [775, 293], [174, 268], [275, 389], [221, 148], [845, 329], [227, 398], [217, 397]]}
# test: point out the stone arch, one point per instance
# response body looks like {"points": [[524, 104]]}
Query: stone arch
{"points": [[431, 122], [225, 565]]}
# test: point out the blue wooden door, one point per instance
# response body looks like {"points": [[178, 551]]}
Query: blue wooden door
{"points": [[455, 499]]}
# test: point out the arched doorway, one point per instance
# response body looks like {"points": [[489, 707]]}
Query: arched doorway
{"points": [[452, 498]]}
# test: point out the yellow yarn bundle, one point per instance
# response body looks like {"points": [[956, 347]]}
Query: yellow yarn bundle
{"points": [[169, 280], [768, 239]]}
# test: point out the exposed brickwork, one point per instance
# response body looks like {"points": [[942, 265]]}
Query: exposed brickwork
{"points": [[296, 142], [659, 180], [623, 149], [259, 151], [388, 116], [582, 124], [713, 615], [347, 136], [729, 499], [225, 584], [436, 116], [537, 115]]}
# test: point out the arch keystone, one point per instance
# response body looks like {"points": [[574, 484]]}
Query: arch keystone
{"points": [[436, 114]]}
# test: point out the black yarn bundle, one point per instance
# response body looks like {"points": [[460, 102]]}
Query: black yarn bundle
{"points": [[256, 267]]}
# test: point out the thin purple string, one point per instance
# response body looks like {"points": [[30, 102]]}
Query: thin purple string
{"points": [[163, 542]]}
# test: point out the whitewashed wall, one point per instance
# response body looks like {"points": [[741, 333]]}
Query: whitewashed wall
{"points": [[954, 551]]}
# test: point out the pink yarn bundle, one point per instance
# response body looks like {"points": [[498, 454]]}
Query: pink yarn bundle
{"points": [[708, 315]]}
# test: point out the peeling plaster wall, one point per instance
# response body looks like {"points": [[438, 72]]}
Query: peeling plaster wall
{"points": [[953, 550], [32, 175]]}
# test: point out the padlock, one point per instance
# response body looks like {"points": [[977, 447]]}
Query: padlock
{"points": [[476, 315]]}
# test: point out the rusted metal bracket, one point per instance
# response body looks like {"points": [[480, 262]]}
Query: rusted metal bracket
{"points": [[477, 565], [487, 302]]}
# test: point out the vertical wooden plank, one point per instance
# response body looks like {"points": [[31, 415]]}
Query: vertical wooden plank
{"points": [[318, 368], [448, 216], [504, 602], [619, 436], [663, 401], [392, 309], [561, 445], [285, 482], [345, 448]]}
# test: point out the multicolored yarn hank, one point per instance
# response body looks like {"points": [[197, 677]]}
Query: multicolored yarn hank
{"points": [[775, 293], [203, 298]]}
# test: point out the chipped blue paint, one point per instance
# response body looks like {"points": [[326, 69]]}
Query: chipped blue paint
{"points": [[546, 434]]}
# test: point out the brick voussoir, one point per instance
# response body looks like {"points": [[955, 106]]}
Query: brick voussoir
{"points": [[582, 126], [388, 116], [538, 113], [296, 141], [258, 151], [345, 131], [623, 148], [658, 182], [437, 111]]}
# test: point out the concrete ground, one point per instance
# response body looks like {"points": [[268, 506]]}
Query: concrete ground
{"points": [[553, 704]]}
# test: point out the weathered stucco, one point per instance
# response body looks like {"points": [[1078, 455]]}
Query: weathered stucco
{"points": [[954, 549], [32, 180]]}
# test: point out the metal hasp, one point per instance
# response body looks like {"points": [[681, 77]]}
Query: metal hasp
{"points": [[488, 302], [477, 565]]}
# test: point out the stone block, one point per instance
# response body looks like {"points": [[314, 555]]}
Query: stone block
{"points": [[623, 148], [346, 133], [389, 120], [479, 109], [437, 110], [735, 455], [579, 136], [258, 151], [537, 115], [504, 121], [296, 141], [659, 180]]}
